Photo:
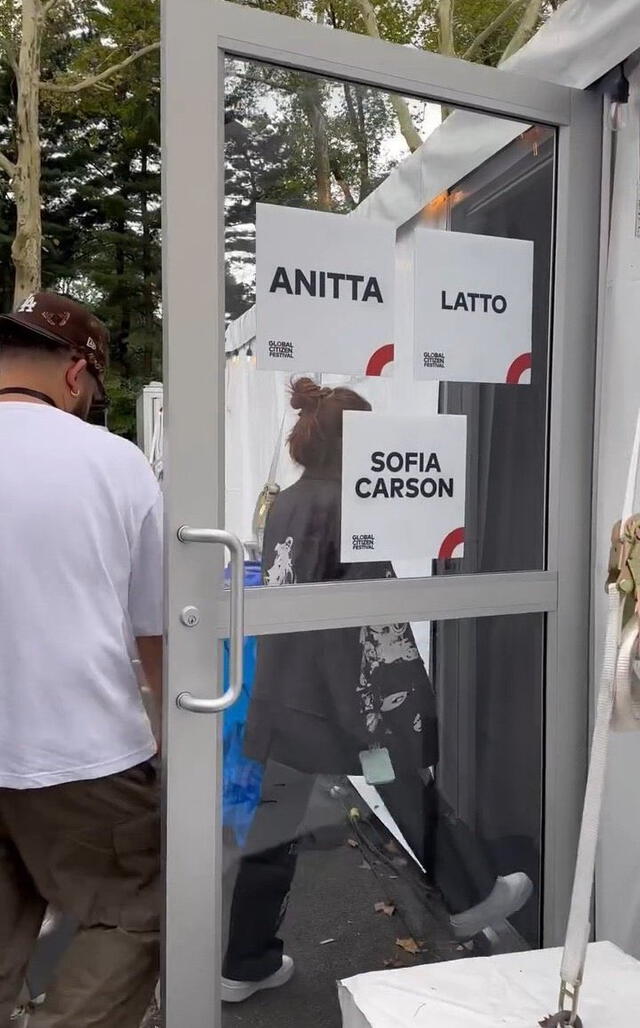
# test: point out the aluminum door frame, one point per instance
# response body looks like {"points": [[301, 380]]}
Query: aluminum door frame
{"points": [[197, 35]]}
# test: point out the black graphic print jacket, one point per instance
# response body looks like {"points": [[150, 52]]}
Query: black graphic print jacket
{"points": [[320, 698]]}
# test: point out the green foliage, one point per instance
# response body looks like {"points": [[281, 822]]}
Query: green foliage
{"points": [[100, 183]]}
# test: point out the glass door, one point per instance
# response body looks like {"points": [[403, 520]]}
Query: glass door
{"points": [[399, 779]]}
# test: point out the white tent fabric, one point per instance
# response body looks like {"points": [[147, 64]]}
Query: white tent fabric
{"points": [[241, 331], [514, 990], [576, 47], [618, 882]]}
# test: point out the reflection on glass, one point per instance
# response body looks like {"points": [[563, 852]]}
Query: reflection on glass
{"points": [[392, 806], [347, 749], [509, 195], [309, 142], [382, 784]]}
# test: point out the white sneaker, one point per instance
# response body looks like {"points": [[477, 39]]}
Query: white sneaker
{"points": [[238, 992], [507, 896]]}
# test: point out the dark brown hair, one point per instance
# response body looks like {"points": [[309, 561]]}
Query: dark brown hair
{"points": [[315, 440]]}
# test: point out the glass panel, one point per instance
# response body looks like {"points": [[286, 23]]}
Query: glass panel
{"points": [[507, 427], [391, 874], [313, 143]]}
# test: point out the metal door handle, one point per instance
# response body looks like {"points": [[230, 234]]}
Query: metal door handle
{"points": [[236, 628]]}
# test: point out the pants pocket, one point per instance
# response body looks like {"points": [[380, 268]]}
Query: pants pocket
{"points": [[83, 868], [137, 851]]}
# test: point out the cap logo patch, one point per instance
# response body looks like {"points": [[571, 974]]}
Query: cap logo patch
{"points": [[28, 306], [56, 320]]}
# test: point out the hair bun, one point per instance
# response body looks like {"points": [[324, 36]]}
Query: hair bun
{"points": [[306, 395]]}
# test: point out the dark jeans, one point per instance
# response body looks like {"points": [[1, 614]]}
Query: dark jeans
{"points": [[266, 872], [449, 850]]}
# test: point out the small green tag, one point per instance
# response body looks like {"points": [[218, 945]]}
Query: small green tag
{"points": [[377, 767]]}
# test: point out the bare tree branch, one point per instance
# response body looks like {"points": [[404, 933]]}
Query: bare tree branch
{"points": [[7, 166], [445, 19], [497, 23], [54, 86], [524, 30], [411, 135]]}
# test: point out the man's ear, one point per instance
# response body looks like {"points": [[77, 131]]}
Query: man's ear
{"points": [[74, 372]]}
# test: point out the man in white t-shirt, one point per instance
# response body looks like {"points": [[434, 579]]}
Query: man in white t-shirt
{"points": [[80, 609]]}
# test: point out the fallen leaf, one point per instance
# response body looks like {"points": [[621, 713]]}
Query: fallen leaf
{"points": [[385, 908], [352, 843], [394, 963], [408, 945]]}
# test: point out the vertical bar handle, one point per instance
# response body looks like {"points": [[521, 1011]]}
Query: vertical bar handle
{"points": [[236, 628]]}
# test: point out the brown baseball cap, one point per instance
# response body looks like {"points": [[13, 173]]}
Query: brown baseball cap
{"points": [[65, 322]]}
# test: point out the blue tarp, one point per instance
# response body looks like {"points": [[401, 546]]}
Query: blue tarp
{"points": [[242, 778]]}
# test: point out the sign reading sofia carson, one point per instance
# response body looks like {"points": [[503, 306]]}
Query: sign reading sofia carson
{"points": [[473, 307], [403, 486], [324, 292]]}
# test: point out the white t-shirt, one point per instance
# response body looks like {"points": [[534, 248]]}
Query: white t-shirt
{"points": [[80, 578]]}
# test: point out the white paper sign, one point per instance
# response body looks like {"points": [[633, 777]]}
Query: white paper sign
{"points": [[324, 292], [403, 486], [473, 307]]}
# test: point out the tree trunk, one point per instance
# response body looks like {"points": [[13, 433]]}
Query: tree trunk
{"points": [[355, 114], [312, 105], [411, 135], [147, 263], [445, 18], [120, 345], [525, 29], [26, 250]]}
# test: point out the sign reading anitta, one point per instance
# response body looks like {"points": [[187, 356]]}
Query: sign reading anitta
{"points": [[403, 486], [473, 307], [326, 283], [324, 292]]}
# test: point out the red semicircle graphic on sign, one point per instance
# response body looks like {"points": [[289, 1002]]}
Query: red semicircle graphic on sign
{"points": [[379, 360], [450, 544], [518, 368]]}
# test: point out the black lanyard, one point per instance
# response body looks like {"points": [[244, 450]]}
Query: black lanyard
{"points": [[23, 391]]}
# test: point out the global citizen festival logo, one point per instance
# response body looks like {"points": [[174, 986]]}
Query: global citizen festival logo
{"points": [[434, 360], [363, 542], [280, 349]]}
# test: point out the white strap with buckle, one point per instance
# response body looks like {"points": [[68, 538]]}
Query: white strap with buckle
{"points": [[615, 708]]}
